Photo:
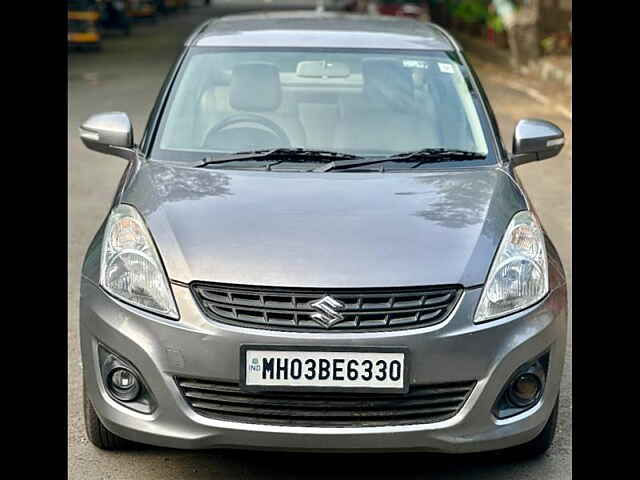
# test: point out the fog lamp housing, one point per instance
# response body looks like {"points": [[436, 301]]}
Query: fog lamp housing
{"points": [[524, 389], [123, 382]]}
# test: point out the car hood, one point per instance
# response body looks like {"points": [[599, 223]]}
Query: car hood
{"points": [[336, 229]]}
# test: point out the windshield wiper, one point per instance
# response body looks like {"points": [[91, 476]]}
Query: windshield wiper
{"points": [[291, 154], [426, 155]]}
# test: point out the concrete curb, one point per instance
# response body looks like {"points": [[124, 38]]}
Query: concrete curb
{"points": [[547, 71]]}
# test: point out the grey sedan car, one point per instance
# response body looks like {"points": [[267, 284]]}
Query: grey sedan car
{"points": [[319, 243]]}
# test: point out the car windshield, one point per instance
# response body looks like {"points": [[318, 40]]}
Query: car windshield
{"points": [[360, 102]]}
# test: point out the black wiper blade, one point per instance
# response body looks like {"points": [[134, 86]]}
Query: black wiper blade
{"points": [[291, 154], [426, 155], [439, 153]]}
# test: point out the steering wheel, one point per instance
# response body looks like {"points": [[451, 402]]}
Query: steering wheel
{"points": [[283, 138]]}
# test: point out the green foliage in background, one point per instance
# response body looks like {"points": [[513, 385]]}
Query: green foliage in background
{"points": [[495, 23], [472, 11]]}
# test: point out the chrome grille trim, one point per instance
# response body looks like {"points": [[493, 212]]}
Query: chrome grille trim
{"points": [[287, 309]]}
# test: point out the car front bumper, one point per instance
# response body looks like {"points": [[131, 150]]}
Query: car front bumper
{"points": [[195, 347]]}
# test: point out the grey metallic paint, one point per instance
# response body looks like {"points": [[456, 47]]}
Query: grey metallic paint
{"points": [[328, 30], [110, 133], [535, 139], [339, 229], [453, 350], [218, 225]]}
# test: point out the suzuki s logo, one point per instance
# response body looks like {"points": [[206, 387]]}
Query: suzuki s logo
{"points": [[328, 311]]}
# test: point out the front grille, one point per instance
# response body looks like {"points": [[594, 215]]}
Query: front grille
{"points": [[423, 404], [373, 309]]}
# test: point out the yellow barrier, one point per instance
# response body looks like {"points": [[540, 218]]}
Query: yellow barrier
{"points": [[88, 16], [143, 11], [83, 37]]}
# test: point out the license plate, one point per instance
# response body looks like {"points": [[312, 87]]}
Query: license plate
{"points": [[348, 369]]}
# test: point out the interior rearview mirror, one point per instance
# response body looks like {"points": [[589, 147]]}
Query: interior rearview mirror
{"points": [[535, 139], [110, 133], [322, 69]]}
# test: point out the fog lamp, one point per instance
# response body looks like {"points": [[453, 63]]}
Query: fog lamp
{"points": [[525, 390], [123, 383]]}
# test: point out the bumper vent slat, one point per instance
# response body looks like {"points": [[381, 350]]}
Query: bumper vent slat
{"points": [[422, 404], [373, 309]]}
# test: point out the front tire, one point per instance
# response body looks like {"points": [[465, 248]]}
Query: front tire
{"points": [[539, 445], [96, 431]]}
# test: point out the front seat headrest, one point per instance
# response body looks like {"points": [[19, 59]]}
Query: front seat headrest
{"points": [[255, 87], [387, 84]]}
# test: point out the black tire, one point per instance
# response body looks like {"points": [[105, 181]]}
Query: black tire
{"points": [[539, 445], [96, 431]]}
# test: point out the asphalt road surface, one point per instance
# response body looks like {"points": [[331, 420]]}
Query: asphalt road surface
{"points": [[126, 76]]}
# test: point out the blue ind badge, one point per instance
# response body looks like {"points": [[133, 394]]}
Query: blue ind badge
{"points": [[255, 365]]}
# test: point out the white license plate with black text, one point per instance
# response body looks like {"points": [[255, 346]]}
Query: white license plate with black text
{"points": [[324, 369]]}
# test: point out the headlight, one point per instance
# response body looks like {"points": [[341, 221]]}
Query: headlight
{"points": [[519, 275], [130, 267]]}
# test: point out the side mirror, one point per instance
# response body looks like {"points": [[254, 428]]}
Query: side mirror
{"points": [[535, 139], [110, 133]]}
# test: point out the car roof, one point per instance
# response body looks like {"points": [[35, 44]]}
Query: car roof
{"points": [[308, 28]]}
